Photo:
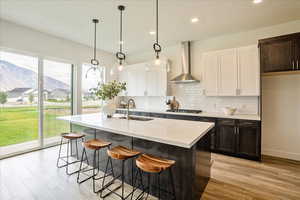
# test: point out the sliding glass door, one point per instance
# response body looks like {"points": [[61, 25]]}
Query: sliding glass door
{"points": [[33, 93], [57, 98], [19, 116]]}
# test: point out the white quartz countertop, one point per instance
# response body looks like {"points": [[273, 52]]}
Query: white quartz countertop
{"points": [[202, 114], [180, 133]]}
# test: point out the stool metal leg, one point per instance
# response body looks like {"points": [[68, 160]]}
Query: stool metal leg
{"points": [[158, 185], [172, 183], [141, 195], [122, 176], [77, 154], [123, 162], [80, 168], [69, 147], [59, 153]]}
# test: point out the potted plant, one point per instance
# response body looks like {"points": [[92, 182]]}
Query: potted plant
{"points": [[107, 93]]}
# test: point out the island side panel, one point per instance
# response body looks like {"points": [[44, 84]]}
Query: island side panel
{"points": [[202, 163]]}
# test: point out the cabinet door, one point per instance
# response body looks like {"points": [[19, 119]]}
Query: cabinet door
{"points": [[226, 136], [131, 82], [156, 81], [228, 73], [211, 70], [123, 77], [136, 81], [140, 82], [248, 71], [277, 55], [248, 139]]}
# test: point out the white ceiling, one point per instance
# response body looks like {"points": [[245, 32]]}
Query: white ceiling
{"points": [[71, 19]]}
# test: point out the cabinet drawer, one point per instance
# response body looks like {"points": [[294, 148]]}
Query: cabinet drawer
{"points": [[205, 119], [226, 122], [248, 123]]}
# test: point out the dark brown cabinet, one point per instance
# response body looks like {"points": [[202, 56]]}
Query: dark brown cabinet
{"points": [[248, 139], [226, 136], [241, 138], [280, 53]]}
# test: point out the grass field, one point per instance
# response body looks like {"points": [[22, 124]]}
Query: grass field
{"points": [[20, 124]]}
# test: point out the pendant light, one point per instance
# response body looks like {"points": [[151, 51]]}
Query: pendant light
{"points": [[120, 55], [94, 61], [156, 45]]}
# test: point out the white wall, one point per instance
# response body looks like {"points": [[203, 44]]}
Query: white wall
{"points": [[21, 39], [282, 139], [281, 116]]}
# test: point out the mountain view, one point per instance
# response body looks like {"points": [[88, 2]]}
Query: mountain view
{"points": [[13, 76]]}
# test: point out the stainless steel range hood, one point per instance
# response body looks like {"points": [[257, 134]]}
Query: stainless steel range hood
{"points": [[186, 75]]}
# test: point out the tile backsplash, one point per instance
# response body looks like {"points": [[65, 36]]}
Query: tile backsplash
{"points": [[190, 96]]}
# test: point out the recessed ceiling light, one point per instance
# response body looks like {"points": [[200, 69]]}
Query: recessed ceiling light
{"points": [[194, 20], [257, 1], [152, 32]]}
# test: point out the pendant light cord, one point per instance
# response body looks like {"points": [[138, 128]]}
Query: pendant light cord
{"points": [[121, 30], [95, 40], [157, 21]]}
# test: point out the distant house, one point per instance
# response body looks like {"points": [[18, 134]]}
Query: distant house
{"points": [[17, 95], [60, 94], [22, 95]]}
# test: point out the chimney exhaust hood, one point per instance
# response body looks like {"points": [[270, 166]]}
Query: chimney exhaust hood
{"points": [[186, 75]]}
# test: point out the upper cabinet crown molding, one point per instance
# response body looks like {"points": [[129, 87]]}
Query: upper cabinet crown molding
{"points": [[232, 72]]}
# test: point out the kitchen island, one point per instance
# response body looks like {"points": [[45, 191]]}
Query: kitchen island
{"points": [[186, 142]]}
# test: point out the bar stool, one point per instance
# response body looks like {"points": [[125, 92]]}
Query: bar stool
{"points": [[150, 164], [120, 153], [96, 145], [70, 137]]}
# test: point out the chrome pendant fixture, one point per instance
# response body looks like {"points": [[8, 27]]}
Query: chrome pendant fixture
{"points": [[120, 55], [156, 45], [94, 61]]}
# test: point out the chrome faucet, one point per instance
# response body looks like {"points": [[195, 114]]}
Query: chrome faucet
{"points": [[128, 105]]}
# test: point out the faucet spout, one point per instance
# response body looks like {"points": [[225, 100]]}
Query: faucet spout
{"points": [[128, 105]]}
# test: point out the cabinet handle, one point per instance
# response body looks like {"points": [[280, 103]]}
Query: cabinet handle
{"points": [[293, 65], [297, 65]]}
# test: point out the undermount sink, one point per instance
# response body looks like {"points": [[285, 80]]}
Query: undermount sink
{"points": [[137, 118]]}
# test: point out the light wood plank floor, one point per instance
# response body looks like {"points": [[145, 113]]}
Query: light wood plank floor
{"points": [[34, 176]]}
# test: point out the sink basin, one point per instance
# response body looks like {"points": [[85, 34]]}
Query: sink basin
{"points": [[140, 118], [137, 118]]}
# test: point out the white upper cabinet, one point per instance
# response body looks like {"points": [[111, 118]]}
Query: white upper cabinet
{"points": [[228, 73], [249, 70], [232, 72], [211, 71], [144, 79]]}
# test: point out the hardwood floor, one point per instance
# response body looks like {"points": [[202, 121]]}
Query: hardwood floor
{"points": [[272, 179], [34, 176]]}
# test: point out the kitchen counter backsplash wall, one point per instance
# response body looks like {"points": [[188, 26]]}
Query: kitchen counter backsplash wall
{"points": [[190, 97]]}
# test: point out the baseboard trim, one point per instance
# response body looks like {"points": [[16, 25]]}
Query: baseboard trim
{"points": [[282, 154]]}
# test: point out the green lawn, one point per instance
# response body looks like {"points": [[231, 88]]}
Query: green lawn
{"points": [[20, 124]]}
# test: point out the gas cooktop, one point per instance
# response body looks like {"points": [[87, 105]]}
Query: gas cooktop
{"points": [[185, 111]]}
